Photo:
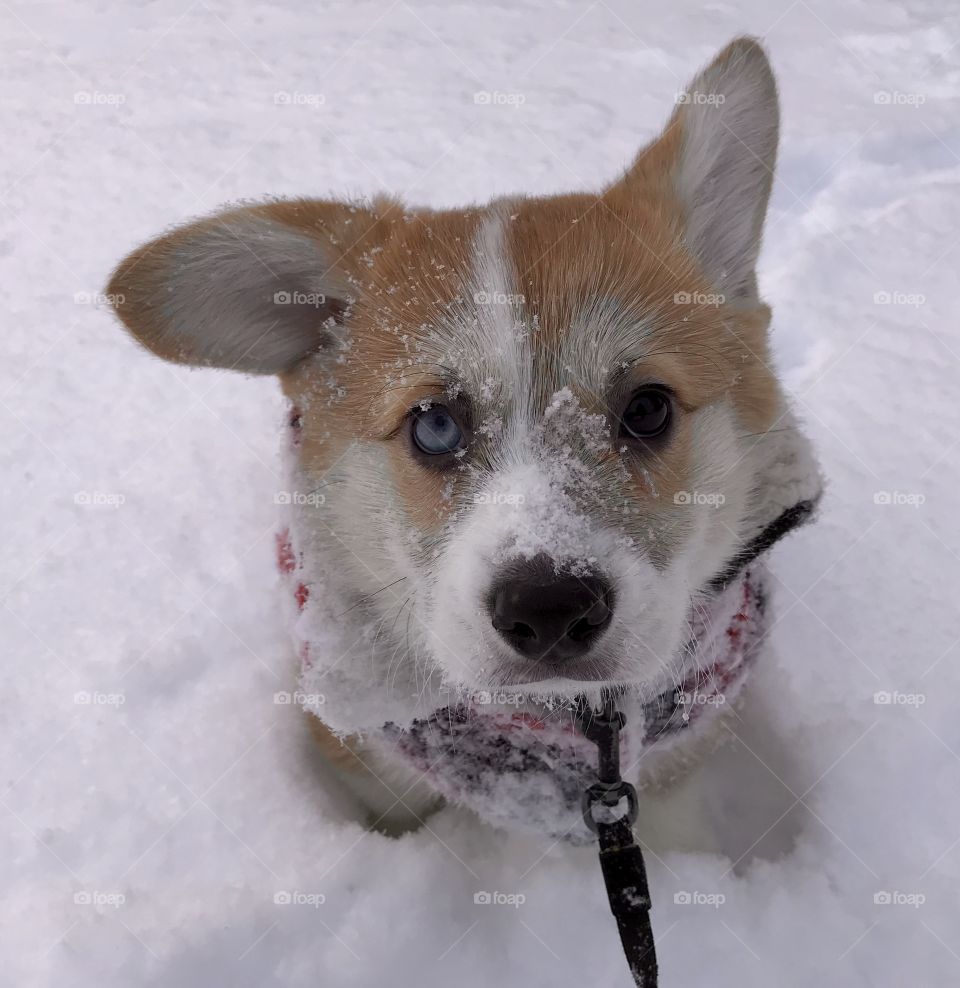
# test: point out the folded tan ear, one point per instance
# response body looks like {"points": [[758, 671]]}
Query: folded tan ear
{"points": [[717, 156], [253, 289]]}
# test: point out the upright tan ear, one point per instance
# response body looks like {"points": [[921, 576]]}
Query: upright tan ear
{"points": [[253, 289], [717, 157]]}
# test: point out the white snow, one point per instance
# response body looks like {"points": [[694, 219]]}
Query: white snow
{"points": [[159, 806]]}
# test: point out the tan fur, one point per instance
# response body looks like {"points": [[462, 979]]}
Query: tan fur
{"points": [[420, 262], [625, 243], [338, 751]]}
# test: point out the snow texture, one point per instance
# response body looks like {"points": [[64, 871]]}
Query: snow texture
{"points": [[164, 821]]}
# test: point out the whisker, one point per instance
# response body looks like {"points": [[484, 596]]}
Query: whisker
{"points": [[766, 432], [368, 596]]}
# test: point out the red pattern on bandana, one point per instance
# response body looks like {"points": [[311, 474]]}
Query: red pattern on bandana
{"points": [[286, 557], [287, 563]]}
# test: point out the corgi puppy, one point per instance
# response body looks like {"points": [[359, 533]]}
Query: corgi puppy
{"points": [[537, 450]]}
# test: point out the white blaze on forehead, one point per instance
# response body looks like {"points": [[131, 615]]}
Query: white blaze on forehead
{"points": [[500, 344]]}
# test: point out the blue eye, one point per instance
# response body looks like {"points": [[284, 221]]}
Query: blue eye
{"points": [[435, 431]]}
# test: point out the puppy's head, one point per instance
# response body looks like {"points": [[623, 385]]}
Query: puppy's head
{"points": [[534, 423]]}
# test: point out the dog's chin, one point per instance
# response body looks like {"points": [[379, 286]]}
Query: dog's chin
{"points": [[560, 690], [541, 688], [559, 678], [641, 672]]}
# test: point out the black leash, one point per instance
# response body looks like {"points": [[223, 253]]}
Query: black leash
{"points": [[621, 859]]}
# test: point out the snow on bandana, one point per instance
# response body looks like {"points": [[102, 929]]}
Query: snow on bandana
{"points": [[516, 758]]}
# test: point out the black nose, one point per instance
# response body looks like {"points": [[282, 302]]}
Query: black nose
{"points": [[550, 617]]}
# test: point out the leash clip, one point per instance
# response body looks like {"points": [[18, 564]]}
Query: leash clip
{"points": [[603, 729], [621, 859], [609, 795]]}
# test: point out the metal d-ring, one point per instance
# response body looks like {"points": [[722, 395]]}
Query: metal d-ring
{"points": [[609, 795]]}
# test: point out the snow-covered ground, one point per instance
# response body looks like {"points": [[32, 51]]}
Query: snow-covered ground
{"points": [[157, 801]]}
